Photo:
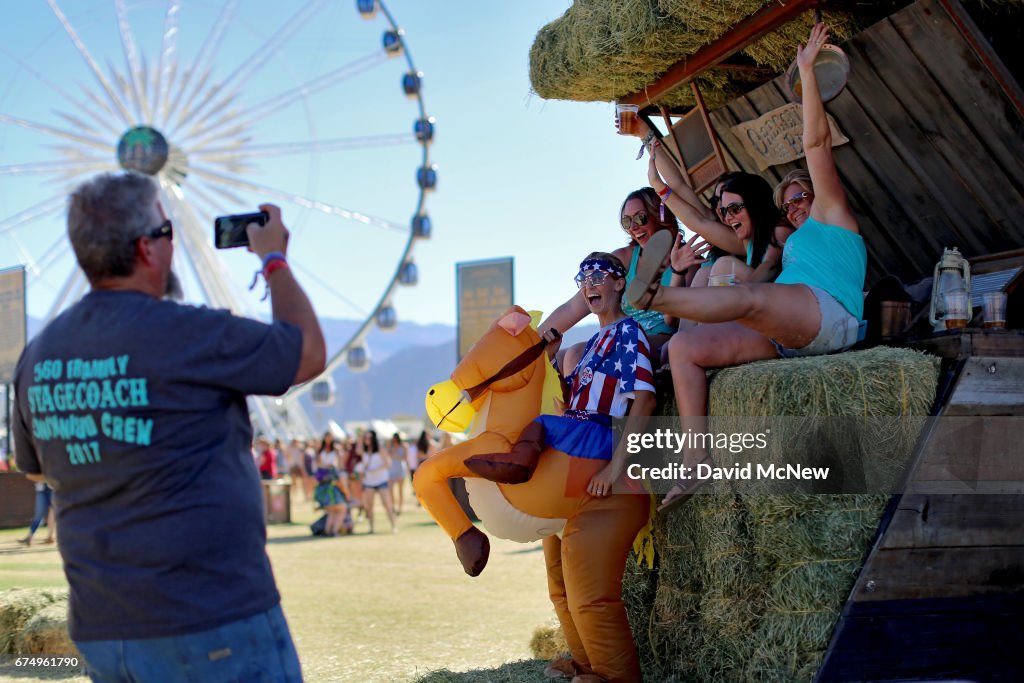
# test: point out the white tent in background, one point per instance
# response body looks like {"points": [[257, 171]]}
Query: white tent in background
{"points": [[336, 430]]}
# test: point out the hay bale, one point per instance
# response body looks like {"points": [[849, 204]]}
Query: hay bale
{"points": [[46, 633], [749, 587], [601, 50], [548, 642], [18, 606]]}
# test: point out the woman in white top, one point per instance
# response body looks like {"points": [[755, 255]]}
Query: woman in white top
{"points": [[375, 467]]}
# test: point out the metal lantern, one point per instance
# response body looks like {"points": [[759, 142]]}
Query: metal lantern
{"points": [[952, 274], [322, 392], [392, 42], [409, 275], [412, 83], [426, 176], [367, 8], [424, 129], [387, 319], [421, 227], [357, 359]]}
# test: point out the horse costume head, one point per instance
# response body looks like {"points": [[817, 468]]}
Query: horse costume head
{"points": [[506, 359]]}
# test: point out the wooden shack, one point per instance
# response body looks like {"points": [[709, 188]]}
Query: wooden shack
{"points": [[934, 116]]}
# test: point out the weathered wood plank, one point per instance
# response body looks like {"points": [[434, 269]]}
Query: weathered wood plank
{"points": [[989, 386], [955, 521], [924, 573], [994, 120], [959, 171]]}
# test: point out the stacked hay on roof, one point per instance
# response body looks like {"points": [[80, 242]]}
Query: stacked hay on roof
{"points": [[601, 50], [749, 587]]}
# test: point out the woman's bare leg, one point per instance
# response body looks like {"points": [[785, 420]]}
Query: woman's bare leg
{"points": [[787, 313], [368, 496], [708, 346], [389, 507], [740, 271]]}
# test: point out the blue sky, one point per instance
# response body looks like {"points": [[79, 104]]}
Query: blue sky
{"points": [[519, 176]]}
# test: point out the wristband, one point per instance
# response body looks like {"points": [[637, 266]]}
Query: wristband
{"points": [[664, 192], [678, 272], [271, 256], [275, 264]]}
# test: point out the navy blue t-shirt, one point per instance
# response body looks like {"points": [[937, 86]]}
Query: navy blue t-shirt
{"points": [[134, 409]]}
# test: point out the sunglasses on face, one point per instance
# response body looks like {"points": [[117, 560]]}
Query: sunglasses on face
{"points": [[638, 219], [790, 203], [165, 229], [731, 210], [593, 278]]}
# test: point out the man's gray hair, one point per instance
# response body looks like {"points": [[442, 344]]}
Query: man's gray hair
{"points": [[106, 215]]}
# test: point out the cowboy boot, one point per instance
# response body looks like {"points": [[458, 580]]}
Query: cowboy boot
{"points": [[516, 466]]}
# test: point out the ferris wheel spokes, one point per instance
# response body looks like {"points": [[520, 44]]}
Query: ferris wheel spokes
{"points": [[271, 105], [95, 143], [93, 66], [306, 202], [286, 148]]}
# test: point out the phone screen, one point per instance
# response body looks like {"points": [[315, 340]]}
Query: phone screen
{"points": [[229, 231]]}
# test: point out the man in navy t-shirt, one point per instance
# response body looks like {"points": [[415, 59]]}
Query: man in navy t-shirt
{"points": [[133, 408]]}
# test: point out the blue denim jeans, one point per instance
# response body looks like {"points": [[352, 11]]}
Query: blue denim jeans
{"points": [[257, 649]]}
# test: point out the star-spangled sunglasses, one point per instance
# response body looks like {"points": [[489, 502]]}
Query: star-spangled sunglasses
{"points": [[594, 278]]}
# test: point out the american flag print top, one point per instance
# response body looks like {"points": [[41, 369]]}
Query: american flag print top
{"points": [[615, 364]]}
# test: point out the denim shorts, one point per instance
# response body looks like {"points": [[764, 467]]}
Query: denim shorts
{"points": [[838, 331], [258, 649]]}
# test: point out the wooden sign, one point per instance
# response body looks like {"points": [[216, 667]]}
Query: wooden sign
{"points": [[484, 294], [777, 137], [12, 320]]}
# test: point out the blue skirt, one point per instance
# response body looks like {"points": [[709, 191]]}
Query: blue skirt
{"points": [[580, 438]]}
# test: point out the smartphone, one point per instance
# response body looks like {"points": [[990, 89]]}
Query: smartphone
{"points": [[229, 231]]}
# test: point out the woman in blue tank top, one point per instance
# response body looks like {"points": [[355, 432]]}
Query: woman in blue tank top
{"points": [[813, 307]]}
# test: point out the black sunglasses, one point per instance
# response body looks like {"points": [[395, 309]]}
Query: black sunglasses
{"points": [[731, 210], [639, 219], [165, 229]]}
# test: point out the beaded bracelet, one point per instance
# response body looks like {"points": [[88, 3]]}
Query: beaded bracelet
{"points": [[664, 195]]}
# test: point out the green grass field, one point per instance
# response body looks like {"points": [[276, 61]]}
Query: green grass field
{"points": [[368, 608]]}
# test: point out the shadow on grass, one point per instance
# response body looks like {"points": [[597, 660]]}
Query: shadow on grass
{"points": [[526, 551], [524, 671], [285, 540]]}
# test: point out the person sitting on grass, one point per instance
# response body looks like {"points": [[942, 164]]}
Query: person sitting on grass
{"points": [[813, 307]]}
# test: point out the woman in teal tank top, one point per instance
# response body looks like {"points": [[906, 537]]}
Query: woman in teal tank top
{"points": [[813, 307], [640, 217]]}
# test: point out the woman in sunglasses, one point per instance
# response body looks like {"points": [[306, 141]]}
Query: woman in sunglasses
{"points": [[813, 307], [794, 196], [745, 206], [641, 216]]}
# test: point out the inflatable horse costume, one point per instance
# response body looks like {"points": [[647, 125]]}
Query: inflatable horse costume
{"points": [[499, 387]]}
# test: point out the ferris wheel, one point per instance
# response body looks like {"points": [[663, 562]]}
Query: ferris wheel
{"points": [[226, 104]]}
